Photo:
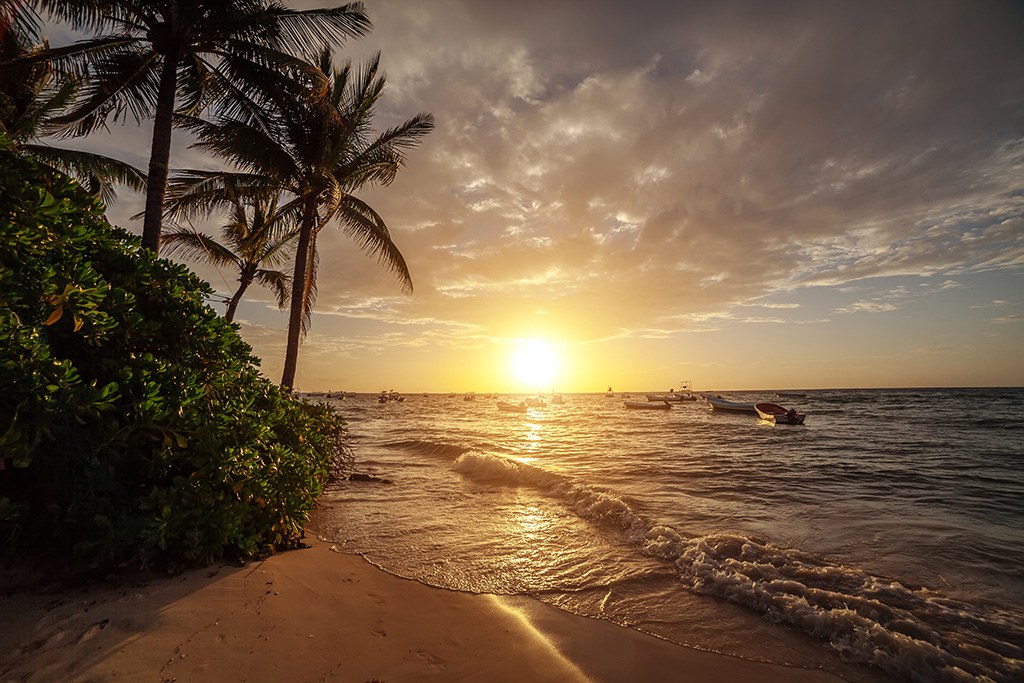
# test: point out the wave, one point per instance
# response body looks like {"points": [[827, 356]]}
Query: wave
{"points": [[909, 631]]}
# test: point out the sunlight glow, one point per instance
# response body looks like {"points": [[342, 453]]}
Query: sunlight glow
{"points": [[535, 365]]}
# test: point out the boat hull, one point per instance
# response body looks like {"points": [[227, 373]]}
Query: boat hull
{"points": [[778, 414], [637, 405], [730, 406]]}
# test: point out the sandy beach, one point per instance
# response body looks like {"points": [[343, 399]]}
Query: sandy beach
{"points": [[317, 615]]}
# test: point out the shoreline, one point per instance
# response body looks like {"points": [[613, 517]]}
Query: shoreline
{"points": [[317, 615]]}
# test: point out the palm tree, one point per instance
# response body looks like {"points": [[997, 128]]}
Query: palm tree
{"points": [[160, 50], [32, 95], [321, 151], [253, 244]]}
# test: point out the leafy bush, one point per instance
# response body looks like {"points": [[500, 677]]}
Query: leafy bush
{"points": [[134, 425]]}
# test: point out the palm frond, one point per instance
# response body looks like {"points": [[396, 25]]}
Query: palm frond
{"points": [[277, 282], [364, 225], [195, 245], [88, 166], [303, 32]]}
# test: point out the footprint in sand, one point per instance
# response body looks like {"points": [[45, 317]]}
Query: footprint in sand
{"points": [[433, 661]]}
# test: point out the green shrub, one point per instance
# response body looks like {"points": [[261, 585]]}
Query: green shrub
{"points": [[134, 425]]}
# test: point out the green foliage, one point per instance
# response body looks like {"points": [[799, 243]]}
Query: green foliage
{"points": [[134, 425]]}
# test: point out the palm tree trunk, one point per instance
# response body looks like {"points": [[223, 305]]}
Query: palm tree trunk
{"points": [[160, 153], [233, 303], [291, 356]]}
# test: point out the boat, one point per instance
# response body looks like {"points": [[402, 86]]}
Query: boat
{"points": [[779, 415], [673, 397], [520, 407], [609, 393], [556, 399], [787, 394], [719, 403], [647, 405], [471, 396], [534, 403]]}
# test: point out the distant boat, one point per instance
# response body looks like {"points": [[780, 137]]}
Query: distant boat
{"points": [[786, 394], [520, 407], [534, 403], [647, 405], [674, 397], [451, 395], [778, 414], [556, 399], [610, 394], [471, 396], [719, 403]]}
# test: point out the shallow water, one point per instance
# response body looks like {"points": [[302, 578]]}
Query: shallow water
{"points": [[888, 531]]}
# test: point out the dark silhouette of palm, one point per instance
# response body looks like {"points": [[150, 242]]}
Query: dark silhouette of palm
{"points": [[321, 150], [32, 95], [157, 52], [254, 241]]}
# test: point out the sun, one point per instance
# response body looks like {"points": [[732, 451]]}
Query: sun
{"points": [[535, 364]]}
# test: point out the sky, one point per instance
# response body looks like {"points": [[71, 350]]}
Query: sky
{"points": [[740, 194]]}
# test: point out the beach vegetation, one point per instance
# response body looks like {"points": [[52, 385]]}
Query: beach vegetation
{"points": [[255, 240], [135, 427], [320, 149], [156, 60]]}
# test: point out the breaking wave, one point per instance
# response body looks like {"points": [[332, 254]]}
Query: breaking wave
{"points": [[909, 631]]}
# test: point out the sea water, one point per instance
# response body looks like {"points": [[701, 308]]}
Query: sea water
{"points": [[885, 537]]}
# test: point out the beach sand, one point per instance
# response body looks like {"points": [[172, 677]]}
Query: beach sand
{"points": [[317, 615]]}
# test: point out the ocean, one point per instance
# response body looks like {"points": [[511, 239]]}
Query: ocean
{"points": [[883, 538]]}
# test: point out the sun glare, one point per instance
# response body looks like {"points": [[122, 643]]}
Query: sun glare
{"points": [[535, 365]]}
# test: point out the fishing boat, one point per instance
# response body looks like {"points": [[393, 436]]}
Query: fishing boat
{"points": [[779, 415], [609, 393], [471, 396], [507, 407], [672, 397], [788, 394], [556, 399], [534, 403], [647, 405], [719, 403]]}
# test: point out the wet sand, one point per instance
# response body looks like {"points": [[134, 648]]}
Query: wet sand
{"points": [[317, 615]]}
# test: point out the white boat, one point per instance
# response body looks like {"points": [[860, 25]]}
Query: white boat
{"points": [[556, 399], [534, 403], [778, 414], [507, 407], [719, 403], [671, 398], [647, 405]]}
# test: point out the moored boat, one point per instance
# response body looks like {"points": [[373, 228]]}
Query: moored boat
{"points": [[507, 407], [789, 394], [647, 405], [779, 415], [719, 403]]}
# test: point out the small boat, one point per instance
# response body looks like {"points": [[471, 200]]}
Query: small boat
{"points": [[719, 403], [556, 399], [534, 403], [471, 396], [520, 407], [674, 397], [779, 415], [609, 393], [647, 405], [787, 394]]}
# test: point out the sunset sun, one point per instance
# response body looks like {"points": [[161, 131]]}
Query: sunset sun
{"points": [[535, 364]]}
